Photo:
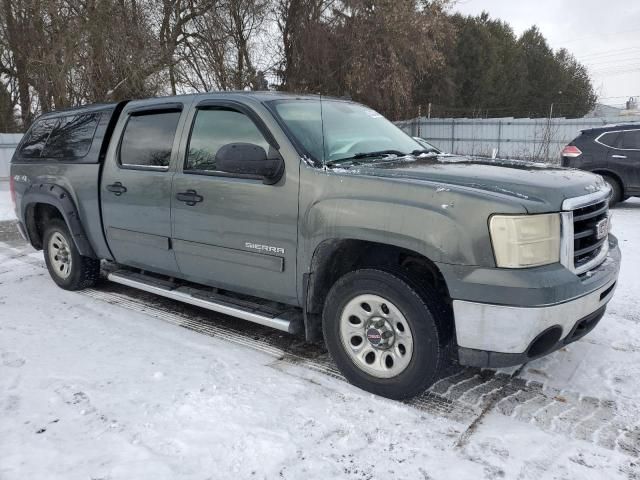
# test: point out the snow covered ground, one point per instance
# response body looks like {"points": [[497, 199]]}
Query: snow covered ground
{"points": [[107, 384]]}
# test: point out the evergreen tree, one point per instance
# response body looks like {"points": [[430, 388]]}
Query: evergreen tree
{"points": [[490, 72], [577, 95], [542, 88]]}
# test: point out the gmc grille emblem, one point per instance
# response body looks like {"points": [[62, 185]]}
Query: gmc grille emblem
{"points": [[602, 228]]}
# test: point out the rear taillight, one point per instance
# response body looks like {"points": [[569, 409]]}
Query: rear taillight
{"points": [[571, 151], [12, 189]]}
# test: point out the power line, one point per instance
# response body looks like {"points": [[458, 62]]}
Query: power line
{"points": [[578, 39], [612, 57], [619, 66], [616, 73], [613, 62], [607, 53], [622, 68], [626, 68]]}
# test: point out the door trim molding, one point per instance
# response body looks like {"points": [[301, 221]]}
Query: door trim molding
{"points": [[139, 238], [230, 255]]}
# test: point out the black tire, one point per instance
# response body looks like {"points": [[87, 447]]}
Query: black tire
{"points": [[83, 272], [422, 312], [616, 191]]}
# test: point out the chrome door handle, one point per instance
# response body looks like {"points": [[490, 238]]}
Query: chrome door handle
{"points": [[618, 156]]}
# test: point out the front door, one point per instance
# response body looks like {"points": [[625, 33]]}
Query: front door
{"points": [[136, 189], [232, 232]]}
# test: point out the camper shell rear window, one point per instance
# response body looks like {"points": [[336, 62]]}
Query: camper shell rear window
{"points": [[64, 137]]}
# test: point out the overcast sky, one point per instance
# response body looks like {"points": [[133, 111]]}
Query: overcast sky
{"points": [[603, 35]]}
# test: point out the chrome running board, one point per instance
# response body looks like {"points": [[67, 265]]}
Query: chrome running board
{"points": [[286, 320]]}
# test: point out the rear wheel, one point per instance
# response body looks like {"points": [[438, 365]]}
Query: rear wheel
{"points": [[616, 191], [67, 267], [383, 334]]}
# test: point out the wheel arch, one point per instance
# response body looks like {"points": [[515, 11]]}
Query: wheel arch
{"points": [[335, 257], [44, 201], [612, 174]]}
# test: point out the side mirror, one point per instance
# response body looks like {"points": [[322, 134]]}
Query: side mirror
{"points": [[250, 159]]}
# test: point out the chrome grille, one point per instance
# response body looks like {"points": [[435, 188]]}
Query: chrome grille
{"points": [[586, 245], [582, 250]]}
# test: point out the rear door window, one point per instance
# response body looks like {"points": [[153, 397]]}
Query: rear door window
{"points": [[72, 136], [215, 128], [609, 139], [37, 137], [148, 139], [631, 140]]}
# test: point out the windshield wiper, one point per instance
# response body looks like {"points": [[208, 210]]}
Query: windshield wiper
{"points": [[426, 150], [358, 156], [379, 153]]}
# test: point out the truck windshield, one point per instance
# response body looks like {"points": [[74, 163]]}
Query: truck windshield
{"points": [[351, 131]]}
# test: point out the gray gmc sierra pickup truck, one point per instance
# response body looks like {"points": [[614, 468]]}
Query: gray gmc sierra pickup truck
{"points": [[318, 216]]}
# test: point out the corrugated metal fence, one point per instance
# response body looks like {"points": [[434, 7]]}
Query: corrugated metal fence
{"points": [[8, 143], [539, 139]]}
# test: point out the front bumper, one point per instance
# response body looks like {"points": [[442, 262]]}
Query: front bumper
{"points": [[495, 334]]}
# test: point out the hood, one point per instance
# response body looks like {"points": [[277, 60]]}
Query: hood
{"points": [[526, 181]]}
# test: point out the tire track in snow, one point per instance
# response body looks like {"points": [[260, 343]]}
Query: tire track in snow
{"points": [[428, 401], [461, 397]]}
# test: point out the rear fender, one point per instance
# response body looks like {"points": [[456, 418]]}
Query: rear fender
{"points": [[58, 197]]}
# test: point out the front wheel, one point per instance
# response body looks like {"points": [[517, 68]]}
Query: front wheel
{"points": [[382, 332], [67, 267]]}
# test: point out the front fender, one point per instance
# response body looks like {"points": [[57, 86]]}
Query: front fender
{"points": [[443, 223], [433, 232]]}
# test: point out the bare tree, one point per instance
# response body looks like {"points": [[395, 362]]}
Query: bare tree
{"points": [[57, 53], [221, 46], [376, 51], [123, 58], [95, 50], [307, 43], [16, 25], [174, 20]]}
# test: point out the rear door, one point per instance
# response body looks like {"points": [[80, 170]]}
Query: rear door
{"points": [[627, 160], [136, 186], [606, 143], [230, 231]]}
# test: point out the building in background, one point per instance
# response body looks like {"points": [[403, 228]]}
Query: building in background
{"points": [[601, 110], [630, 109]]}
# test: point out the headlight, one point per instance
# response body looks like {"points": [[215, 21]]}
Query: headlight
{"points": [[521, 241]]}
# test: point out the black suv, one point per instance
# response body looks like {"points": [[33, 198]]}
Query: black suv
{"points": [[613, 151]]}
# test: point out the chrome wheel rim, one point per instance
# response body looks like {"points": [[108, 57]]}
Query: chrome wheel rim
{"points": [[60, 255], [376, 336]]}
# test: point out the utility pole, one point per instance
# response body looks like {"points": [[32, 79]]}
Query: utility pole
{"points": [[547, 137]]}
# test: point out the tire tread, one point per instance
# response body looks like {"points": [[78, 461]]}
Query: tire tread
{"points": [[425, 375], [84, 276]]}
